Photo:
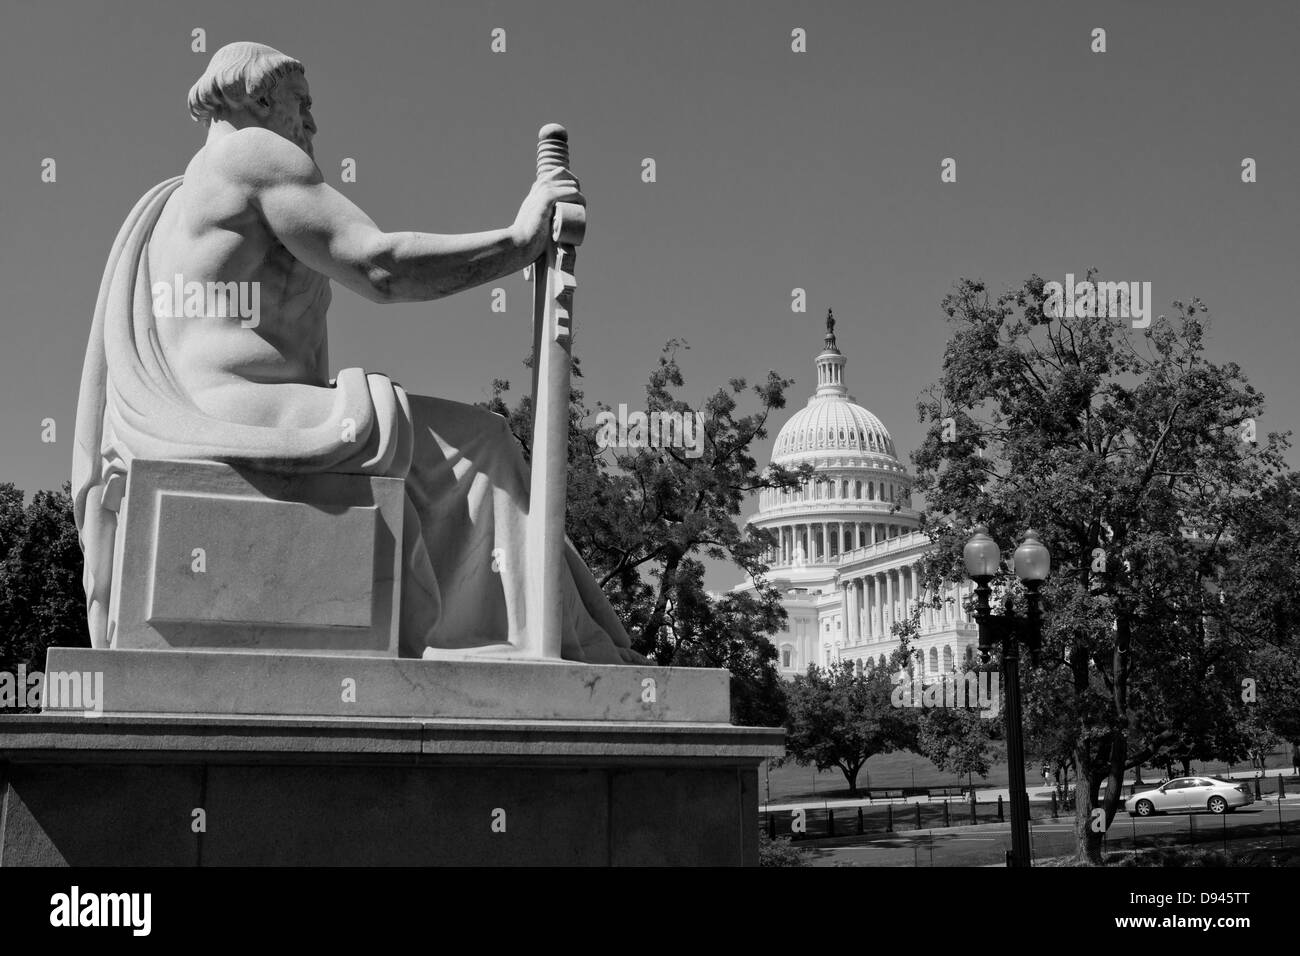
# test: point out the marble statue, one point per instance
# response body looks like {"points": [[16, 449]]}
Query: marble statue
{"points": [[245, 379]]}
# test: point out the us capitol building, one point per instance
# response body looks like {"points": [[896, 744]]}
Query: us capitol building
{"points": [[845, 558]]}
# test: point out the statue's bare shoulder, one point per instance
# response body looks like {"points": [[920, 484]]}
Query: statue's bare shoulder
{"points": [[227, 178], [256, 159]]}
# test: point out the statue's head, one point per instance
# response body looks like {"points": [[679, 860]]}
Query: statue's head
{"points": [[251, 84]]}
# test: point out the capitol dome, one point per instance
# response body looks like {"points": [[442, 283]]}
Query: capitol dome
{"points": [[830, 423], [859, 494], [844, 547]]}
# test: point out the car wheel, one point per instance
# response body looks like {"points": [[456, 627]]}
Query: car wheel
{"points": [[1145, 808], [1218, 805]]}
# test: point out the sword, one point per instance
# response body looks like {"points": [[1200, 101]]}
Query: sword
{"points": [[553, 285]]}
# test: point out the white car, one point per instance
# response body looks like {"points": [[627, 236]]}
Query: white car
{"points": [[1190, 794]]}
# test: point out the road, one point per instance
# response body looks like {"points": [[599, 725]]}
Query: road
{"points": [[986, 844]]}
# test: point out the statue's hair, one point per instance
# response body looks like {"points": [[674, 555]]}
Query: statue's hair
{"points": [[236, 74]]}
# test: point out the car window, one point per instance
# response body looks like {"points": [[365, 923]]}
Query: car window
{"points": [[1202, 782], [1176, 784]]}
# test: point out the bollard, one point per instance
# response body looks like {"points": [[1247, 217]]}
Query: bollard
{"points": [[771, 827], [1258, 795], [918, 815], [1001, 818], [1281, 787], [830, 822], [1054, 813], [889, 817], [946, 821], [860, 820], [972, 808]]}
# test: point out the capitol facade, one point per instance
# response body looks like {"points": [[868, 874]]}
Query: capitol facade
{"points": [[847, 545]]}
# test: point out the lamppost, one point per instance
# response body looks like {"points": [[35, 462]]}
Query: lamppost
{"points": [[1033, 562]]}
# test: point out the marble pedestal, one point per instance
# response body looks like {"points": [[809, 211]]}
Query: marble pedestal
{"points": [[160, 778]]}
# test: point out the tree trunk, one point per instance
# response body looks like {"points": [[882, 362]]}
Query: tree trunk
{"points": [[651, 631], [852, 777], [1087, 841]]}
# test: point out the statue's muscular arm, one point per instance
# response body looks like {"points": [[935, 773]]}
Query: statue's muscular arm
{"points": [[329, 233]]}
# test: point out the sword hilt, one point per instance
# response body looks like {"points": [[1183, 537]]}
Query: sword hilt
{"points": [[570, 223]]}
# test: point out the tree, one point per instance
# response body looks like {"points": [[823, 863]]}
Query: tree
{"points": [[643, 518], [838, 718], [42, 604], [955, 739], [1261, 597], [1129, 454]]}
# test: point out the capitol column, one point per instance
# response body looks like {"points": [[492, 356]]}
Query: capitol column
{"points": [[879, 581], [861, 585], [868, 600], [851, 612], [866, 608], [912, 580], [888, 617]]}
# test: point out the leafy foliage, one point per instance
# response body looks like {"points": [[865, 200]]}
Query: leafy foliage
{"points": [[838, 718], [1126, 453], [780, 852], [42, 604]]}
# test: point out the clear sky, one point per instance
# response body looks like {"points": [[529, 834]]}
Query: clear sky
{"points": [[775, 170]]}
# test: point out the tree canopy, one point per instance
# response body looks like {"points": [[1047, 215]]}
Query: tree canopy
{"points": [[1133, 455]]}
